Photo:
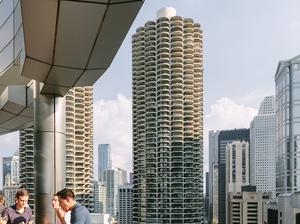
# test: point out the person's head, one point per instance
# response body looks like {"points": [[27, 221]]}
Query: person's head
{"points": [[66, 199], [21, 198], [55, 201], [2, 199]]}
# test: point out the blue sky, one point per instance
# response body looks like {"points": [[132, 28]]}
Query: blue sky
{"points": [[243, 42]]}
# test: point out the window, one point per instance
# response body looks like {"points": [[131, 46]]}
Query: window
{"points": [[233, 164], [243, 165]]}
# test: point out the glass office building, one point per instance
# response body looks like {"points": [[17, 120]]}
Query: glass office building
{"points": [[104, 160], [287, 110]]}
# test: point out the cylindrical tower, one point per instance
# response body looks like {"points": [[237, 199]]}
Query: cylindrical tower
{"points": [[79, 143], [26, 151], [168, 120]]}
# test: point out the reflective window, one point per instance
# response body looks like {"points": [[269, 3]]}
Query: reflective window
{"points": [[19, 43], [296, 93], [6, 8], [297, 128], [11, 33], [296, 76], [296, 110], [6, 33], [6, 56], [17, 17]]}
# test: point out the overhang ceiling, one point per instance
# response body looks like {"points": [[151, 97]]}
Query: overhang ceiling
{"points": [[16, 108], [61, 43], [72, 43]]}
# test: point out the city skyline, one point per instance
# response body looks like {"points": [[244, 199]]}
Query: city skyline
{"points": [[253, 46]]}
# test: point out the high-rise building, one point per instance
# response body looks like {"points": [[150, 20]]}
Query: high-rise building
{"points": [[287, 112], [99, 196], [79, 144], [9, 193], [206, 198], [26, 152], [168, 120], [113, 179], [226, 137], [213, 159], [79, 148], [15, 166], [10, 170], [215, 194], [125, 200], [247, 207], [96, 196], [131, 178], [262, 148], [237, 166], [104, 159], [284, 210], [6, 167]]}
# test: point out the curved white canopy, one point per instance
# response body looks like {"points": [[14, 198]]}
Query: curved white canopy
{"points": [[61, 43]]}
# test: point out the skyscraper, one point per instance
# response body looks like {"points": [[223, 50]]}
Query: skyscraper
{"points": [[6, 167], [113, 179], [206, 197], [237, 166], [213, 161], [15, 166], [99, 196], [9, 193], [79, 144], [262, 148], [10, 170], [104, 159], [26, 145], [168, 120], [215, 194], [287, 112], [79, 148], [226, 137], [125, 204]]}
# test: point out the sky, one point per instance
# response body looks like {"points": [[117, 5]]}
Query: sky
{"points": [[243, 43]]}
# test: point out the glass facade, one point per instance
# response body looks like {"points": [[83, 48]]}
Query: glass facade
{"points": [[288, 126], [104, 160], [11, 33]]}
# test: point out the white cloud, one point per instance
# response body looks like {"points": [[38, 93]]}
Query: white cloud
{"points": [[9, 144], [112, 125], [225, 114]]}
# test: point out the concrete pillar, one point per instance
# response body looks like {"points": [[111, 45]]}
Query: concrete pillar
{"points": [[49, 154]]}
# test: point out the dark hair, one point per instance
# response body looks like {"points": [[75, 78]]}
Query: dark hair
{"points": [[64, 193], [1, 198], [22, 192]]}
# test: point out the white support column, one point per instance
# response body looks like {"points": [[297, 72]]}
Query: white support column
{"points": [[49, 154]]}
